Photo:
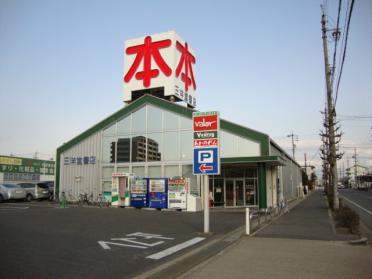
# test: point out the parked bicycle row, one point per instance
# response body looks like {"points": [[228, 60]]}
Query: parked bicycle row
{"points": [[84, 199]]}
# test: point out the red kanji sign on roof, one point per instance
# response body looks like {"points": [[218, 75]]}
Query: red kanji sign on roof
{"points": [[145, 52], [163, 61], [185, 62]]}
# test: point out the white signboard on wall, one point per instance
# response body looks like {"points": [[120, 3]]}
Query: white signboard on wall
{"points": [[161, 60]]}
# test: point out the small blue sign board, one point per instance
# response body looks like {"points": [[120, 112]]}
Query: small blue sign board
{"points": [[206, 161]]}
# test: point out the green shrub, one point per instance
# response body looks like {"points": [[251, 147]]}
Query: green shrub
{"points": [[346, 217]]}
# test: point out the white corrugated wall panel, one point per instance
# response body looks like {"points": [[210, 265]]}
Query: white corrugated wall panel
{"points": [[76, 179]]}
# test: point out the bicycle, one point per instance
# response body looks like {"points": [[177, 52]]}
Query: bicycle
{"points": [[83, 198], [102, 201]]}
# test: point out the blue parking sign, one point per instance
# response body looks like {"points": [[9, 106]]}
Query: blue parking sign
{"points": [[206, 161]]}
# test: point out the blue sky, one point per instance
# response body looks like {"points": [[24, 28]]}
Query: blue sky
{"points": [[260, 63]]}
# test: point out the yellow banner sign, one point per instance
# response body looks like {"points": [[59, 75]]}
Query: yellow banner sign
{"points": [[10, 161]]}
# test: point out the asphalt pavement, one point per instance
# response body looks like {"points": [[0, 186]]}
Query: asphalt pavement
{"points": [[361, 202], [40, 240]]}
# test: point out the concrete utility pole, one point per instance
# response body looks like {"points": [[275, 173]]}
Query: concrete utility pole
{"points": [[331, 114], [293, 144], [355, 167]]}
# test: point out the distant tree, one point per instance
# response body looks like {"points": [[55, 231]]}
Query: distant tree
{"points": [[305, 178], [313, 179]]}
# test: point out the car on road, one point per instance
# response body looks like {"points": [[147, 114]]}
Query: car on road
{"points": [[10, 191], [35, 191]]}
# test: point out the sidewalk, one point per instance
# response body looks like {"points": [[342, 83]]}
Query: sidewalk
{"points": [[300, 244], [308, 220]]}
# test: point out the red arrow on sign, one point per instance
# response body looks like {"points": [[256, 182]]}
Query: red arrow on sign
{"points": [[204, 168]]}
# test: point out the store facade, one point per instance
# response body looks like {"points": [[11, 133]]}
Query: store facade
{"points": [[19, 170], [152, 137]]}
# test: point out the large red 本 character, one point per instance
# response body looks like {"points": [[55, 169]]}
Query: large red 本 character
{"points": [[186, 59], [145, 52]]}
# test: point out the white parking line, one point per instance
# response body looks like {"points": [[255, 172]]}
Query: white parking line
{"points": [[357, 205], [175, 249], [12, 207]]}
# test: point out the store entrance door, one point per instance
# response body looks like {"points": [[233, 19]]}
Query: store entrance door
{"points": [[229, 192], [239, 192], [234, 192]]}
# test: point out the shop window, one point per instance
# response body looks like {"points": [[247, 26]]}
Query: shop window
{"points": [[171, 146], [138, 171], [235, 171], [139, 121], [154, 171], [154, 147], [251, 172], [108, 146], [247, 148], [124, 126], [139, 146], [251, 191], [154, 119], [170, 171], [122, 150], [107, 173], [123, 169], [170, 121], [187, 172], [110, 131], [227, 145], [186, 123], [113, 152], [186, 145], [218, 192]]}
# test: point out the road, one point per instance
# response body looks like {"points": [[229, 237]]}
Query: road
{"points": [[40, 240], [361, 202]]}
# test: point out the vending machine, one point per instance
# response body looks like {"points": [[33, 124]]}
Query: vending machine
{"points": [[158, 192], [138, 192], [177, 193], [120, 195]]}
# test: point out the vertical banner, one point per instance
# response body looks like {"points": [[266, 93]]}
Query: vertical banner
{"points": [[206, 143]]}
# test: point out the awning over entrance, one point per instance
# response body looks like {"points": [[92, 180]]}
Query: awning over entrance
{"points": [[268, 160]]}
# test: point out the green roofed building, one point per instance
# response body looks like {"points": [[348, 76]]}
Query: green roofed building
{"points": [[152, 137]]}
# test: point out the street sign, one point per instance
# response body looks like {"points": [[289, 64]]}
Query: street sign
{"points": [[205, 122], [207, 161], [206, 143]]}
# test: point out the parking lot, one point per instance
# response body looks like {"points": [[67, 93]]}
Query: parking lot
{"points": [[40, 240]]}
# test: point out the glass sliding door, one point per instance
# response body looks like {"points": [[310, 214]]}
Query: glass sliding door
{"points": [[239, 192], [250, 191], [218, 192], [229, 192]]}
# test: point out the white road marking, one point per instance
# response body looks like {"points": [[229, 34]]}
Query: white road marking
{"points": [[104, 245], [138, 242], [13, 207], [357, 205], [175, 249], [149, 236]]}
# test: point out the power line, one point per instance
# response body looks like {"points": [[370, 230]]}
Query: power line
{"points": [[345, 47], [336, 35], [355, 116]]}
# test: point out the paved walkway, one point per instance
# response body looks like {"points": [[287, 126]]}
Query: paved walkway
{"points": [[300, 244], [308, 220]]}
